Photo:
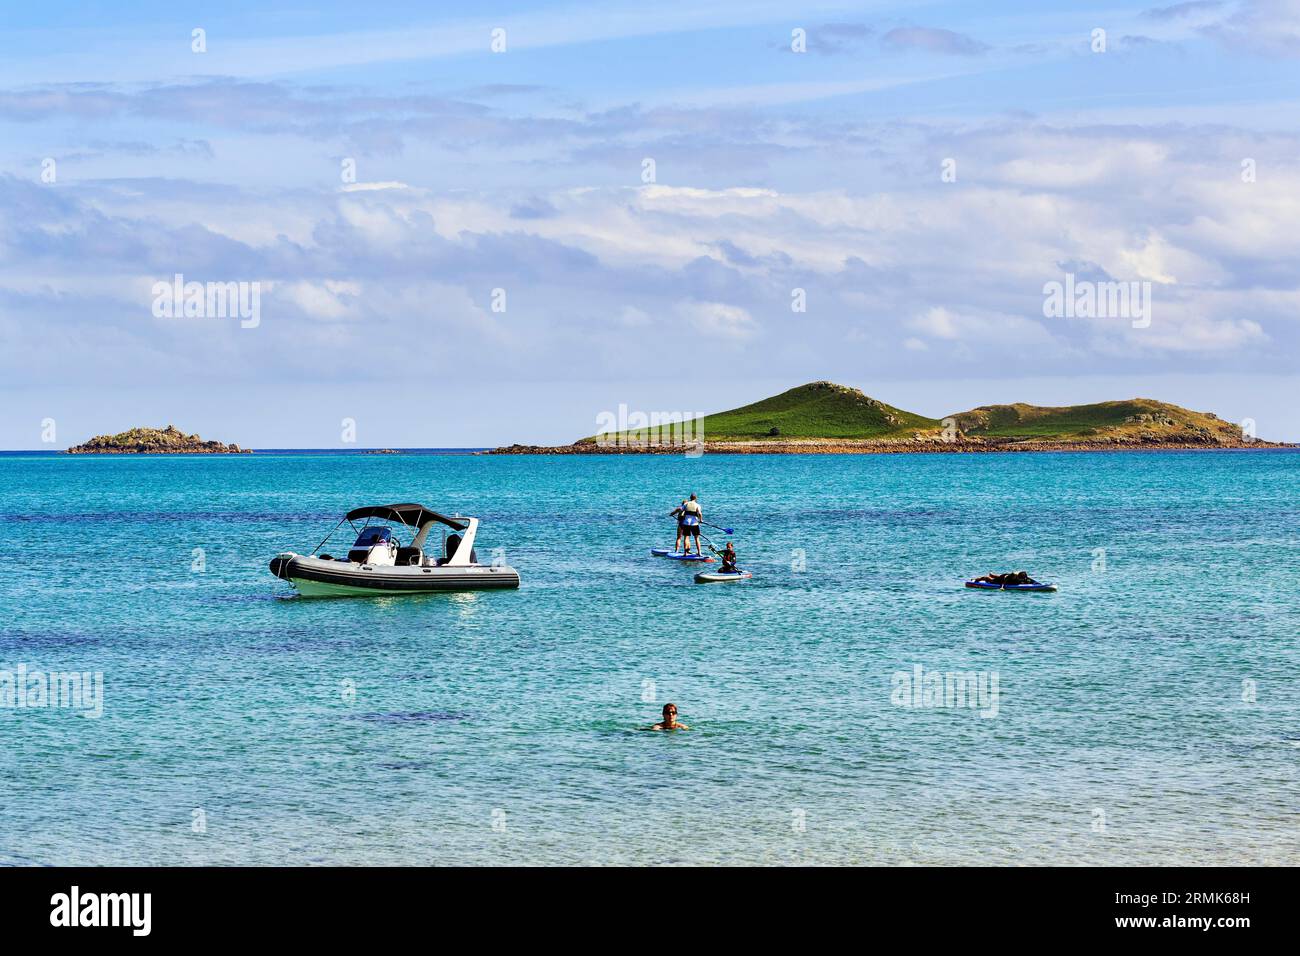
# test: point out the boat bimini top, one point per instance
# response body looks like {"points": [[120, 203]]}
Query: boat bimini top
{"points": [[377, 562], [413, 516]]}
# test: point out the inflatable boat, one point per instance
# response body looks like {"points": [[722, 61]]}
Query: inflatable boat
{"points": [[378, 563]]}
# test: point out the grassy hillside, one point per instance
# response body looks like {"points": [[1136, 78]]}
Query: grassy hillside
{"points": [[1136, 418], [816, 410]]}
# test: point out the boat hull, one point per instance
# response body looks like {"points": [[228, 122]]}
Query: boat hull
{"points": [[314, 577]]}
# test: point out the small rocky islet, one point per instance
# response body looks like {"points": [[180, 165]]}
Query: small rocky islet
{"points": [[154, 441]]}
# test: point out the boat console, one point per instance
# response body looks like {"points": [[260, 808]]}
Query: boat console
{"points": [[374, 546]]}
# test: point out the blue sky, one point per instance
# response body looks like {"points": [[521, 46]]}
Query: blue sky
{"points": [[523, 171]]}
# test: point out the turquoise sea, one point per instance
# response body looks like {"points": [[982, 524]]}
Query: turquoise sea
{"points": [[1147, 713]]}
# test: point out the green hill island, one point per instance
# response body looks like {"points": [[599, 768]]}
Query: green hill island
{"points": [[823, 417]]}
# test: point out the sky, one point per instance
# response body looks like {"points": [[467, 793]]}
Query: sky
{"points": [[474, 228]]}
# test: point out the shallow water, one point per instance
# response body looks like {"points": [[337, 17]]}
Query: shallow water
{"points": [[503, 726]]}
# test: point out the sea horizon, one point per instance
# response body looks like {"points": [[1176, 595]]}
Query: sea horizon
{"points": [[379, 451]]}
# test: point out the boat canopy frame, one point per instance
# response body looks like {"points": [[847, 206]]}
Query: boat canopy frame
{"points": [[412, 515]]}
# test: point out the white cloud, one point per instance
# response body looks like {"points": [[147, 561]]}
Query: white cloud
{"points": [[319, 300], [718, 319], [1270, 27], [633, 318], [937, 322], [950, 274], [373, 187]]}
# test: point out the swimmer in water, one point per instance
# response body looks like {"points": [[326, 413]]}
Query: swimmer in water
{"points": [[670, 720]]}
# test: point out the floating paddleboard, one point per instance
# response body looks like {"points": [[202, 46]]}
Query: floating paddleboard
{"points": [[990, 586], [661, 552], [683, 556], [717, 577]]}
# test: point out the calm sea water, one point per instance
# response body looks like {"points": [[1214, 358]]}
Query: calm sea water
{"points": [[1147, 713]]}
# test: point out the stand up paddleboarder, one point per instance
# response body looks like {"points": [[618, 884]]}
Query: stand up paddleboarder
{"points": [[692, 515], [679, 512]]}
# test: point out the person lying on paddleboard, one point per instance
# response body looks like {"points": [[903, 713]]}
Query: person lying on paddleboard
{"points": [[728, 556], [692, 515], [670, 720], [1012, 577]]}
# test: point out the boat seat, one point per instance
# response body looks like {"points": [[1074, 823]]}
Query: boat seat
{"points": [[473, 558], [409, 556], [453, 545]]}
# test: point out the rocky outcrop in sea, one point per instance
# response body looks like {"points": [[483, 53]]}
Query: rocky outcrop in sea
{"points": [[155, 441]]}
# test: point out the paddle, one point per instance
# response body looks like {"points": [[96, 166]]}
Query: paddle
{"points": [[721, 556], [709, 544], [712, 525]]}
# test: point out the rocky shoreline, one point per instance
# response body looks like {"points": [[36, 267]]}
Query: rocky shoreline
{"points": [[155, 441], [889, 446]]}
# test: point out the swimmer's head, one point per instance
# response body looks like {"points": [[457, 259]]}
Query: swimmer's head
{"points": [[670, 712]]}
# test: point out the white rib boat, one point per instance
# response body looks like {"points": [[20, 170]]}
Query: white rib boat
{"points": [[377, 563]]}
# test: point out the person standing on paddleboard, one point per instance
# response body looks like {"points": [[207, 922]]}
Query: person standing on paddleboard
{"points": [[691, 518], [679, 513]]}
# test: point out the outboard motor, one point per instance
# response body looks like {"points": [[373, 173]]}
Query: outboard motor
{"points": [[374, 546]]}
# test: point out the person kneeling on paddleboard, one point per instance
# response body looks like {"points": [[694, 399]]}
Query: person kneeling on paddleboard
{"points": [[728, 555], [691, 517]]}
